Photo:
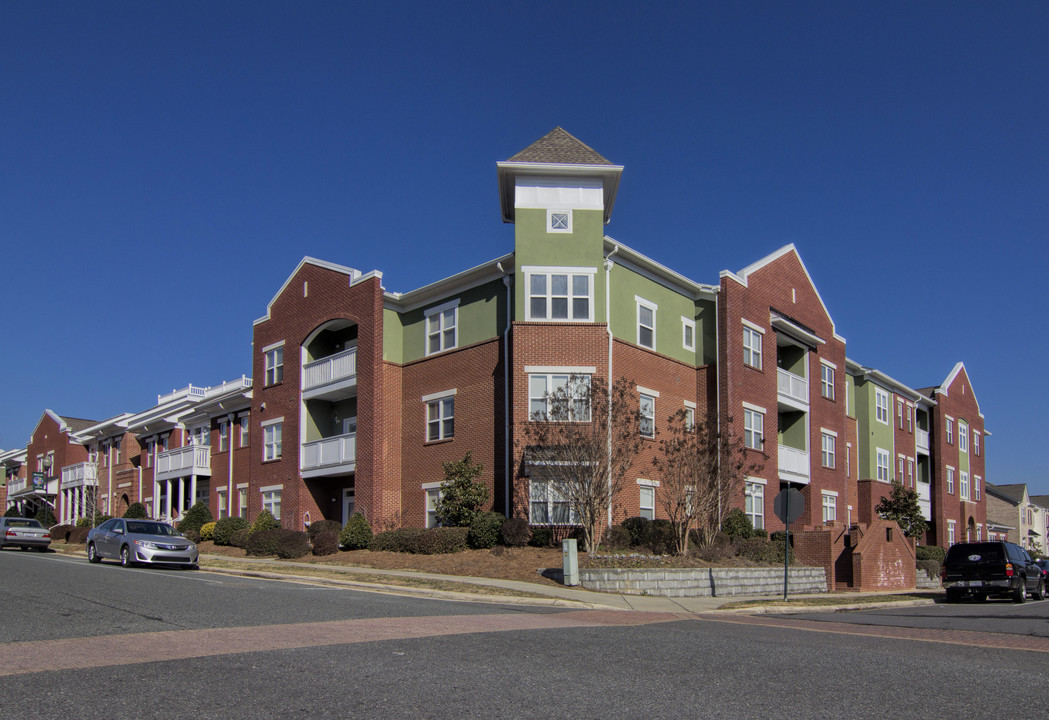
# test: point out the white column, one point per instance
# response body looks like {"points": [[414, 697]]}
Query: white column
{"points": [[192, 489], [156, 499], [181, 496]]}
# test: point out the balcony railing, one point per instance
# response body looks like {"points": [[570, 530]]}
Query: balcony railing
{"points": [[16, 486], [792, 386], [793, 462], [188, 460], [921, 439], [334, 368], [329, 452], [80, 474]]}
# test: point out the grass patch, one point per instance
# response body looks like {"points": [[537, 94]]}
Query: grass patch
{"points": [[808, 601]]}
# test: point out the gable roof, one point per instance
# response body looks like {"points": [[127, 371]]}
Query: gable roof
{"points": [[354, 276], [1013, 493], [561, 147]]}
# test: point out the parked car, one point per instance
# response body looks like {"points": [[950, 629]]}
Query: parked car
{"points": [[982, 569], [140, 541], [24, 533], [1043, 563]]}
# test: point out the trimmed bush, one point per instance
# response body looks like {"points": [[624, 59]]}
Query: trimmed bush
{"points": [[265, 521], [292, 544], [194, 519], [931, 567], [442, 540], [192, 535], [61, 532], [45, 517], [357, 535], [542, 537], [83, 522], [617, 538], [12, 512], [777, 537], [737, 525], [207, 531], [326, 543], [760, 533], [239, 538], [77, 536], [484, 530], [263, 542], [399, 540], [765, 552], [320, 526], [718, 552], [638, 528], [224, 529], [136, 511], [661, 537], [515, 532], [931, 552]]}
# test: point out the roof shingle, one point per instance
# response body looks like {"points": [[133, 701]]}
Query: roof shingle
{"points": [[559, 146]]}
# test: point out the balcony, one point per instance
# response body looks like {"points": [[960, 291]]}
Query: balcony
{"points": [[921, 440], [329, 456], [924, 499], [330, 377], [793, 464], [793, 389], [79, 475], [18, 485], [183, 461]]}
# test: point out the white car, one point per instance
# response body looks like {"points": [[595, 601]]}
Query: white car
{"points": [[140, 541], [24, 533]]}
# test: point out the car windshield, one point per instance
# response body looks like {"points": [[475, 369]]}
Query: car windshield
{"points": [[150, 528], [18, 522]]}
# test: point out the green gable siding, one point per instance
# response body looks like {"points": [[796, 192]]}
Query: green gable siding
{"points": [[872, 434], [481, 317], [627, 285]]}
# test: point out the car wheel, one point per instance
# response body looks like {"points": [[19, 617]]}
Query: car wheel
{"points": [[981, 597], [92, 554], [41, 549], [1020, 594], [1039, 592], [953, 595], [23, 548], [125, 556], [191, 566]]}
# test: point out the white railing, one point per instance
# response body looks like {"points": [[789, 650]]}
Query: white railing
{"points": [[80, 474], [16, 485], [921, 439], [340, 366], [188, 391], [338, 450], [241, 383], [791, 385], [793, 461], [188, 460]]}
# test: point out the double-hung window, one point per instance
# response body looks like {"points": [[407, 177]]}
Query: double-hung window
{"points": [[646, 323], [883, 464], [244, 431], [950, 431], [560, 294], [648, 415], [433, 494], [830, 507], [688, 334], [829, 441], [752, 338], [223, 436], [976, 488], [963, 436], [647, 505], [547, 506], [271, 499], [560, 397], [754, 428], [754, 494], [440, 416], [274, 355], [441, 323], [826, 381], [272, 431], [963, 485], [976, 443], [950, 480], [881, 402]]}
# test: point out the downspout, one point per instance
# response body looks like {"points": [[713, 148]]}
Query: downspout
{"points": [[717, 375], [229, 479], [608, 329], [508, 281]]}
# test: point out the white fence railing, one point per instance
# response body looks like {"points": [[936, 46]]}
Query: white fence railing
{"points": [[791, 385], [77, 475], [338, 450], [333, 368], [921, 439], [793, 461], [188, 460]]}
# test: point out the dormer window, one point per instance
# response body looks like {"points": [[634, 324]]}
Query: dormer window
{"points": [[559, 221]]}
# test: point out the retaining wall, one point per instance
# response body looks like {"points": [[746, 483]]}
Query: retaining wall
{"points": [[703, 582]]}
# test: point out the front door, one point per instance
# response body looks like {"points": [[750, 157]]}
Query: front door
{"points": [[347, 505]]}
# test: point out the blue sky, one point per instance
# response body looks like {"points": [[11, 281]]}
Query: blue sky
{"points": [[164, 167]]}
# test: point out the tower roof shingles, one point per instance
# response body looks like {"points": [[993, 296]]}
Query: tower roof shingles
{"points": [[561, 147]]}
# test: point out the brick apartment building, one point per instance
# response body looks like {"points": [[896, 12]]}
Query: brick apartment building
{"points": [[362, 393]]}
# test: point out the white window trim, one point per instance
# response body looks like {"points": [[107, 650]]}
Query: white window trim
{"points": [[753, 326], [550, 220], [880, 453], [274, 421], [648, 483], [646, 391], [833, 380], [949, 479], [881, 393], [759, 353], [641, 403], [439, 311], [761, 412], [639, 303], [687, 324], [690, 404], [530, 270], [439, 395], [438, 401], [273, 346], [269, 488], [559, 370], [550, 389]]}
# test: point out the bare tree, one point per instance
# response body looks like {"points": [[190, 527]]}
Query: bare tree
{"points": [[580, 440], [701, 468]]}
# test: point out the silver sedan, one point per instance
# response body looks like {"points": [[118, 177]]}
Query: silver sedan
{"points": [[140, 541], [24, 533]]}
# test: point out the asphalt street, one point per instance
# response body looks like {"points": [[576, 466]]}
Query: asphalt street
{"points": [[301, 651]]}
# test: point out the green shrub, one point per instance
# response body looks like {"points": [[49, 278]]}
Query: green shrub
{"points": [[320, 526], [762, 551], [12, 512], [461, 496], [192, 535], [777, 537], [224, 529], [265, 521], [78, 536], [263, 542], [400, 540], [638, 528], [326, 543], [239, 538], [661, 537], [515, 532], [931, 566], [720, 551], [931, 552], [737, 525], [617, 538], [60, 533], [136, 511], [760, 533], [45, 517], [292, 544], [207, 531], [87, 522], [357, 535], [194, 519], [442, 540], [84, 522], [542, 537], [484, 530]]}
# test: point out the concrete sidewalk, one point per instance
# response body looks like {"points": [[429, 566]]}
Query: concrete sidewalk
{"points": [[548, 595]]}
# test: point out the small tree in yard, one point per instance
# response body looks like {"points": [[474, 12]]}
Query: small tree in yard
{"points": [[701, 468], [902, 506], [585, 435], [461, 497]]}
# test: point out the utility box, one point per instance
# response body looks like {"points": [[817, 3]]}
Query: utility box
{"points": [[570, 561]]}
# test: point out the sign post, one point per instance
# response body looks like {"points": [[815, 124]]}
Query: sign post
{"points": [[788, 506]]}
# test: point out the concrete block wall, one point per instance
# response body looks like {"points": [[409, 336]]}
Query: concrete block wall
{"points": [[703, 582]]}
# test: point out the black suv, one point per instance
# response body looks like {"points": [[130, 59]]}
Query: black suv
{"points": [[991, 568]]}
